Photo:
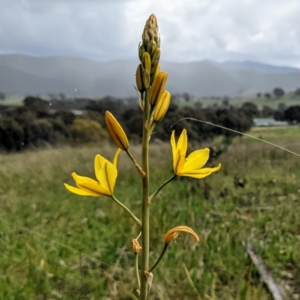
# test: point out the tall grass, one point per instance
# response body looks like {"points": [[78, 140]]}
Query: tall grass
{"points": [[56, 245]]}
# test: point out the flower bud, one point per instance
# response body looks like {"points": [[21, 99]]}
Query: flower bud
{"points": [[150, 33], [139, 79], [161, 106], [158, 87], [173, 233], [141, 52], [155, 60], [157, 71], [116, 131], [147, 62], [136, 248]]}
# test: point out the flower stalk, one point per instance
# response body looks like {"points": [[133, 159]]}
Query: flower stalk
{"points": [[145, 196], [151, 198], [127, 210]]}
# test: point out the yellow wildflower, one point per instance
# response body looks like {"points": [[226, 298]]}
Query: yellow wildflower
{"points": [[173, 233], [106, 174], [192, 166]]}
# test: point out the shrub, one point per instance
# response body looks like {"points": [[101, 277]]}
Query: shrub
{"points": [[87, 131], [11, 134]]}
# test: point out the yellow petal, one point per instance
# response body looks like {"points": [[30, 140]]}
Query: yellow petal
{"points": [[81, 179], [111, 174], [80, 192], [196, 160], [201, 173], [180, 164], [100, 172], [90, 185], [94, 187], [115, 162], [182, 143], [174, 232], [174, 149]]}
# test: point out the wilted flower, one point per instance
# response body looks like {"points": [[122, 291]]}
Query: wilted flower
{"points": [[173, 233]]}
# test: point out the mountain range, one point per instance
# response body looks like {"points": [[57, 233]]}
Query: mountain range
{"points": [[73, 76]]}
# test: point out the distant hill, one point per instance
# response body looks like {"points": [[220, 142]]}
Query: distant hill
{"points": [[23, 75]]}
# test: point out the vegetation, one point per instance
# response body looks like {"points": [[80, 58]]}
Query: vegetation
{"points": [[56, 245]]}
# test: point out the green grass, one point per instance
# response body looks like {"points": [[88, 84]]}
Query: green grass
{"points": [[288, 99], [56, 245]]}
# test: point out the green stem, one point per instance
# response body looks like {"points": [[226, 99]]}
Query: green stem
{"points": [[145, 204], [160, 257], [138, 167], [138, 221], [151, 198], [137, 270]]}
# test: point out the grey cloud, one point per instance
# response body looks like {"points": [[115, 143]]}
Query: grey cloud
{"points": [[190, 30]]}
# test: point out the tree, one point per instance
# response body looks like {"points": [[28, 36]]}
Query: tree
{"points": [[292, 113], [267, 95], [258, 95], [297, 92], [2, 96], [278, 92]]}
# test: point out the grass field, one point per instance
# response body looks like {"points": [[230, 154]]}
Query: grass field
{"points": [[56, 245], [288, 99]]}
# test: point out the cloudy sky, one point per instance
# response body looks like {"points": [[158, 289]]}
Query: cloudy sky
{"points": [[259, 30]]}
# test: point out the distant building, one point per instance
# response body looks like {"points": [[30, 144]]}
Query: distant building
{"points": [[267, 122]]}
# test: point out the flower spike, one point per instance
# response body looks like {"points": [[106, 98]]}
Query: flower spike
{"points": [[116, 131]]}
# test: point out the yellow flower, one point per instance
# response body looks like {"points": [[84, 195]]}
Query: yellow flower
{"points": [[192, 165], [116, 131], [173, 233], [106, 174]]}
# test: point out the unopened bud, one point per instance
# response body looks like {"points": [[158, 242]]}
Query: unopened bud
{"points": [[155, 60], [141, 52], [139, 79], [151, 47], [147, 61], [162, 106], [158, 87], [157, 71], [116, 131]]}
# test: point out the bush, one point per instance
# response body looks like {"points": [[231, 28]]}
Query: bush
{"points": [[11, 134], [87, 131]]}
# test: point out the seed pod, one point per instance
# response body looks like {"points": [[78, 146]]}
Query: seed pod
{"points": [[158, 87]]}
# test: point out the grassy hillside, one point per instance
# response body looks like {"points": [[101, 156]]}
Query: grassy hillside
{"points": [[56, 245]]}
